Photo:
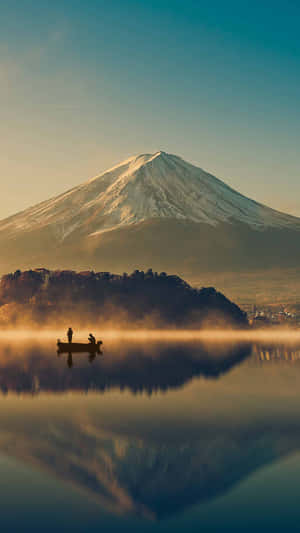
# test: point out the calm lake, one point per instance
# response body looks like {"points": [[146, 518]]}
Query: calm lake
{"points": [[150, 436]]}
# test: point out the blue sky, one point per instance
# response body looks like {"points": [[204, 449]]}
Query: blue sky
{"points": [[85, 84]]}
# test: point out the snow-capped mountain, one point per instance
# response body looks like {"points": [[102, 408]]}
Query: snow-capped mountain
{"points": [[150, 210], [142, 188]]}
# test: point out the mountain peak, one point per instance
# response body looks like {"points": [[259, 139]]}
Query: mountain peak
{"points": [[160, 153], [153, 209], [144, 187], [131, 164]]}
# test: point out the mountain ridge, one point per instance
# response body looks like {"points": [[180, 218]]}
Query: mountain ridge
{"points": [[143, 187], [151, 210]]}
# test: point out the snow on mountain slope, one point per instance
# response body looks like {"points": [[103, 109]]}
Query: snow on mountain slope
{"points": [[144, 187]]}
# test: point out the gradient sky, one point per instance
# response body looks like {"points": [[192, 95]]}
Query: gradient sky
{"points": [[85, 84]]}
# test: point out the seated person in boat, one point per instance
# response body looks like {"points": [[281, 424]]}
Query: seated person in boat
{"points": [[92, 339]]}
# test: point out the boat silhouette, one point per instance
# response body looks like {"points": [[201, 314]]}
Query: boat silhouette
{"points": [[79, 347]]}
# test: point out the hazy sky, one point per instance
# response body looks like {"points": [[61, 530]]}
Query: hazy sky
{"points": [[87, 83]]}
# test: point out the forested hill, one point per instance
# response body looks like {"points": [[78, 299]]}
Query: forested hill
{"points": [[42, 296]]}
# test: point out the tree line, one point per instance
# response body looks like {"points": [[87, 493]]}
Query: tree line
{"points": [[167, 299]]}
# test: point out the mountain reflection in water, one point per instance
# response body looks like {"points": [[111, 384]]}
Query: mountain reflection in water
{"points": [[152, 457]]}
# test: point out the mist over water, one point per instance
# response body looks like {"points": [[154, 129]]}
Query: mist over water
{"points": [[137, 360], [273, 335]]}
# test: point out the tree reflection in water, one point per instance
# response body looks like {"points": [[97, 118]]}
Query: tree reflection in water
{"points": [[136, 366]]}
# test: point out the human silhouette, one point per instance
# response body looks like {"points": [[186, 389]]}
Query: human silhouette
{"points": [[92, 339], [70, 334], [92, 356], [70, 360]]}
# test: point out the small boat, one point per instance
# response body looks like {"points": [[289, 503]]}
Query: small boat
{"points": [[80, 347]]}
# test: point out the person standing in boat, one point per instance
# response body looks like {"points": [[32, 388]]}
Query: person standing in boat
{"points": [[70, 335]]}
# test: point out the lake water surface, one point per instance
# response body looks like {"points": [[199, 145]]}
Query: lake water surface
{"points": [[150, 436]]}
